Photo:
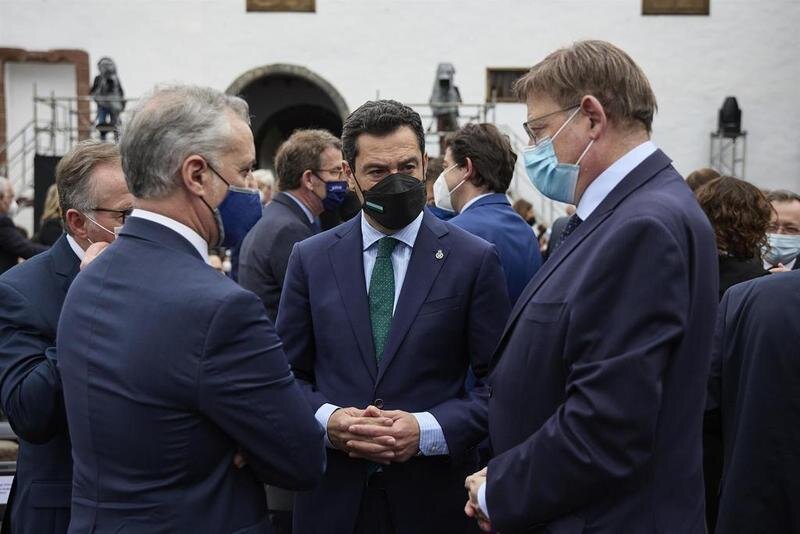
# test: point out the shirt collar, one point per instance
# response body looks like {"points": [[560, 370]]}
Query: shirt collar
{"points": [[302, 207], [187, 233], [473, 201], [599, 189], [789, 265], [76, 248], [407, 235]]}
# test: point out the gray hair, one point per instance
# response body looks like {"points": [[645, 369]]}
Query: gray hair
{"points": [[168, 126]]}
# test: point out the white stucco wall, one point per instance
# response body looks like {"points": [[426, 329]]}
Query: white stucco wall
{"points": [[746, 48]]}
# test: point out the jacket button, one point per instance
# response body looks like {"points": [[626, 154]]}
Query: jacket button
{"points": [[378, 403]]}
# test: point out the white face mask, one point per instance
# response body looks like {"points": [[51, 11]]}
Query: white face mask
{"points": [[442, 195], [114, 233], [13, 208]]}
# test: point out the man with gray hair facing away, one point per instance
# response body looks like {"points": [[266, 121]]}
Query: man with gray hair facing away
{"points": [[94, 199], [178, 395]]}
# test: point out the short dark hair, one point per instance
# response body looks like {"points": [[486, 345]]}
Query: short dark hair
{"points": [[435, 168], [782, 195], [739, 213], [490, 152], [75, 188], [301, 152], [378, 117]]}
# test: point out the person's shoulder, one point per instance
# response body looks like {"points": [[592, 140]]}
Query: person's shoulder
{"points": [[461, 236], [31, 270], [6, 221], [770, 291]]}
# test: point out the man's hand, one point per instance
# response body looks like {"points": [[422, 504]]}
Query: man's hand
{"points": [[378, 449], [472, 484], [404, 431], [94, 250], [780, 268]]}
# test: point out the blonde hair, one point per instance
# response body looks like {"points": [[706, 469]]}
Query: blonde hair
{"points": [[595, 68], [52, 209]]}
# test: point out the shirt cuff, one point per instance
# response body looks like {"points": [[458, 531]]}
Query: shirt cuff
{"points": [[482, 500], [431, 436], [323, 415]]}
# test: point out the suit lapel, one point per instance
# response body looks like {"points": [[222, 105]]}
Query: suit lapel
{"points": [[283, 198], [65, 262], [423, 268], [347, 259], [632, 181]]}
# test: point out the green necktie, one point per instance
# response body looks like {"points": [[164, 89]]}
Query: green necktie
{"points": [[381, 294]]}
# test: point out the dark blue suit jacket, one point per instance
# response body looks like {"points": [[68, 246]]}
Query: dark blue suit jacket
{"points": [[265, 251], [31, 296], [755, 377], [599, 380], [449, 316], [493, 219], [168, 369]]}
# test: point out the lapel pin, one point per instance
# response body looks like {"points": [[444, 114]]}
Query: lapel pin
{"points": [[439, 254]]}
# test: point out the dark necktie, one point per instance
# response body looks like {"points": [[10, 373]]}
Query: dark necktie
{"points": [[572, 224], [381, 294]]}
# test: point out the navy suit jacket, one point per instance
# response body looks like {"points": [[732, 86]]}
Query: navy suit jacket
{"points": [[169, 368], [14, 245], [600, 377], [754, 380], [31, 296], [493, 219], [450, 313], [265, 251]]}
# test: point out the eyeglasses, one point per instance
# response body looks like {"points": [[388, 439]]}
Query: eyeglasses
{"points": [[337, 172], [530, 130], [120, 214]]}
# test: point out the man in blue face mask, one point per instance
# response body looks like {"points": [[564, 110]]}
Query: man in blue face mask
{"points": [[172, 374], [783, 234], [599, 380], [308, 166]]}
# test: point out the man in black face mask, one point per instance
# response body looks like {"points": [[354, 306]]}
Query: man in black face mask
{"points": [[382, 347]]}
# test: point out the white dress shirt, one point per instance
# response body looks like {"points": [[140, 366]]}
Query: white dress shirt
{"points": [[472, 201], [599, 189], [431, 436], [76, 248], [594, 195], [184, 231], [303, 207]]}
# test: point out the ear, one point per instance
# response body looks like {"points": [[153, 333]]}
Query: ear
{"points": [[470, 169], [193, 172], [348, 175], [598, 120], [307, 179], [76, 223], [425, 160]]}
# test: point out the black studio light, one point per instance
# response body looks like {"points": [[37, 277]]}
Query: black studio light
{"points": [[729, 123]]}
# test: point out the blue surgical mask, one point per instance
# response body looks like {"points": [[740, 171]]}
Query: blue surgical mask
{"points": [[237, 214], [782, 248], [335, 193], [555, 180]]}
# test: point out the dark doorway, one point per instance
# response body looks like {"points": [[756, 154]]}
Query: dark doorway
{"points": [[282, 102]]}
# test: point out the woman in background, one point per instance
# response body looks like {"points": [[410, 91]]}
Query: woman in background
{"points": [[50, 225]]}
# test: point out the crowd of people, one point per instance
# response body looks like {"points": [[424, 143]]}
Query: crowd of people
{"points": [[375, 341]]}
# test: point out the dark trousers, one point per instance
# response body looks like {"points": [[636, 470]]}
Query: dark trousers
{"points": [[375, 515]]}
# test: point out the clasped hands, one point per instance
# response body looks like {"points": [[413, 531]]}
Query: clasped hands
{"points": [[380, 436], [472, 484]]}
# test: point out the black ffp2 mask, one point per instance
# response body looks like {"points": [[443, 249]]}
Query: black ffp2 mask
{"points": [[395, 201]]}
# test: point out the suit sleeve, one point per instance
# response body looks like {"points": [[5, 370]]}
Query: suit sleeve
{"points": [[282, 249], [616, 356], [12, 242], [464, 420], [296, 328], [245, 387], [30, 386]]}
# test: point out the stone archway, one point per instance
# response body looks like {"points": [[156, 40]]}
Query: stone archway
{"points": [[283, 98]]}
